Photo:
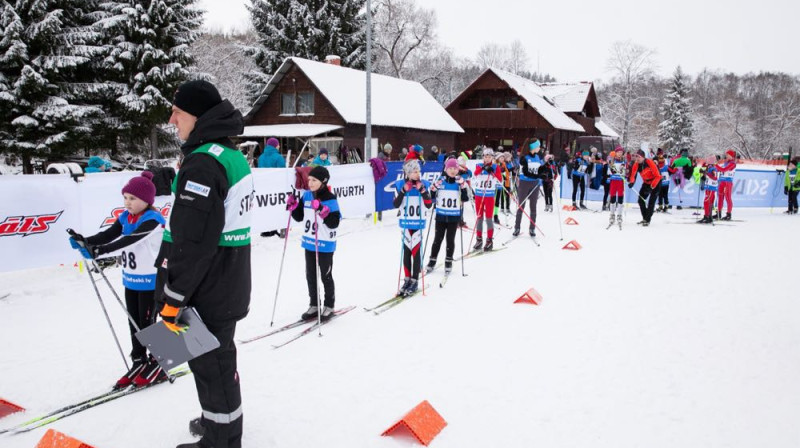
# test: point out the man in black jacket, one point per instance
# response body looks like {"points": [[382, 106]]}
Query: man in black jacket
{"points": [[204, 260]]}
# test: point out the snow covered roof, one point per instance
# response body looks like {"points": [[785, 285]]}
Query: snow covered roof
{"points": [[537, 98], [567, 96], [605, 130], [288, 130], [395, 102]]}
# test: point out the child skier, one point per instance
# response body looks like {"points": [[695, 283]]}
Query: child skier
{"points": [[530, 179], [617, 171], [580, 167], [450, 193], [137, 234], [487, 176], [726, 172], [711, 182], [319, 238], [413, 198], [663, 189], [792, 186], [550, 176]]}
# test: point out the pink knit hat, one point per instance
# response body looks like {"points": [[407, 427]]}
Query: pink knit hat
{"points": [[142, 187], [451, 163]]}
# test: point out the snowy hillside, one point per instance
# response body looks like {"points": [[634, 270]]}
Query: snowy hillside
{"points": [[676, 335]]}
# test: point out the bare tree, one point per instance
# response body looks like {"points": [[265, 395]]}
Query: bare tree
{"points": [[402, 30], [492, 55], [518, 60], [631, 65]]}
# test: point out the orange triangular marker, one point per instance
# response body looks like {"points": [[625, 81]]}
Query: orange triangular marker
{"points": [[531, 296], [571, 221], [55, 439], [569, 208], [8, 408], [572, 245], [423, 422]]}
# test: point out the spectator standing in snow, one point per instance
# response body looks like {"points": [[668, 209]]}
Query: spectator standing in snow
{"points": [[651, 180]]}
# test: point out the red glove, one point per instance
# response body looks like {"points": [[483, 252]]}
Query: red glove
{"points": [[408, 186], [291, 203]]}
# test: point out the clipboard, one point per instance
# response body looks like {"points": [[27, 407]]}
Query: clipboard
{"points": [[171, 350]]}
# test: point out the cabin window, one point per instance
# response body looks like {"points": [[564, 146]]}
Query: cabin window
{"points": [[486, 102], [300, 103]]}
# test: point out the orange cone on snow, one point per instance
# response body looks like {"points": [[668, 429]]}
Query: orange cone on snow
{"points": [[569, 208], [423, 422], [571, 221], [531, 297], [55, 439], [8, 408], [573, 245]]}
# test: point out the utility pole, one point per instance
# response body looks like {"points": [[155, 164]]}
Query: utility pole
{"points": [[368, 133]]}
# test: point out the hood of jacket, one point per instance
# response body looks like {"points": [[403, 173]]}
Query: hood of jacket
{"points": [[216, 125]]}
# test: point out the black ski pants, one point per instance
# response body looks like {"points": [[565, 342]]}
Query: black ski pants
{"points": [[326, 271], [140, 305], [663, 195], [606, 187], [548, 192], [443, 229], [577, 181], [217, 382], [649, 194], [793, 200]]}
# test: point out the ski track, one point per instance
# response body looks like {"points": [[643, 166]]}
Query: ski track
{"points": [[671, 335]]}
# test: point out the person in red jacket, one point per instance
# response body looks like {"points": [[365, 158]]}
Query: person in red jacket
{"points": [[726, 172], [651, 180]]}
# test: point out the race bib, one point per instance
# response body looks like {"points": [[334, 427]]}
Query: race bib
{"points": [[533, 167]]}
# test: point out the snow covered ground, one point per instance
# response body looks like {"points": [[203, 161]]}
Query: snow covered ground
{"points": [[676, 335]]}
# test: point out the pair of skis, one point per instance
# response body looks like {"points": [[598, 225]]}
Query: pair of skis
{"points": [[611, 224], [298, 323], [74, 408]]}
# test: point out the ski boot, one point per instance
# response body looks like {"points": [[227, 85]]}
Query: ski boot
{"points": [[489, 245], [431, 266], [659, 209], [516, 230], [448, 266], [151, 374], [717, 215], [496, 219], [727, 217], [574, 205], [136, 368], [327, 313], [611, 220], [706, 220], [619, 221], [645, 223], [403, 288], [478, 244], [412, 287], [532, 231], [583, 207], [311, 313]]}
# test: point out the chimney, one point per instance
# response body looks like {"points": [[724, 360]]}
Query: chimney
{"points": [[333, 60]]}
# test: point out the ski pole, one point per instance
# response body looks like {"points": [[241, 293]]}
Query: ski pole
{"points": [[116, 296], [519, 208], [424, 246], [319, 275], [280, 270], [558, 198], [461, 232], [102, 305]]}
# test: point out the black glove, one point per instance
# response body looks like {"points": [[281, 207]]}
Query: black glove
{"points": [[630, 184], [488, 169], [786, 190]]}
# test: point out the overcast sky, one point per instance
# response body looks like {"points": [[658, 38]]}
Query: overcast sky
{"points": [[572, 38]]}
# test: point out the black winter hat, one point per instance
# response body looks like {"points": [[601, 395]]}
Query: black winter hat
{"points": [[197, 97], [320, 173]]}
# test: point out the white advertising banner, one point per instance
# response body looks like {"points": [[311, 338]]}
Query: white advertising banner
{"points": [[36, 210]]}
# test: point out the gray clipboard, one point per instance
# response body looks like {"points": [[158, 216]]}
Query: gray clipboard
{"points": [[172, 350]]}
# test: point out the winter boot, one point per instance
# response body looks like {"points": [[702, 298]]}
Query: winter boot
{"points": [[311, 313], [412, 287], [516, 231], [327, 313], [727, 217], [431, 266], [127, 379], [448, 266], [196, 427], [478, 244], [496, 219], [489, 245], [583, 207], [151, 374]]}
